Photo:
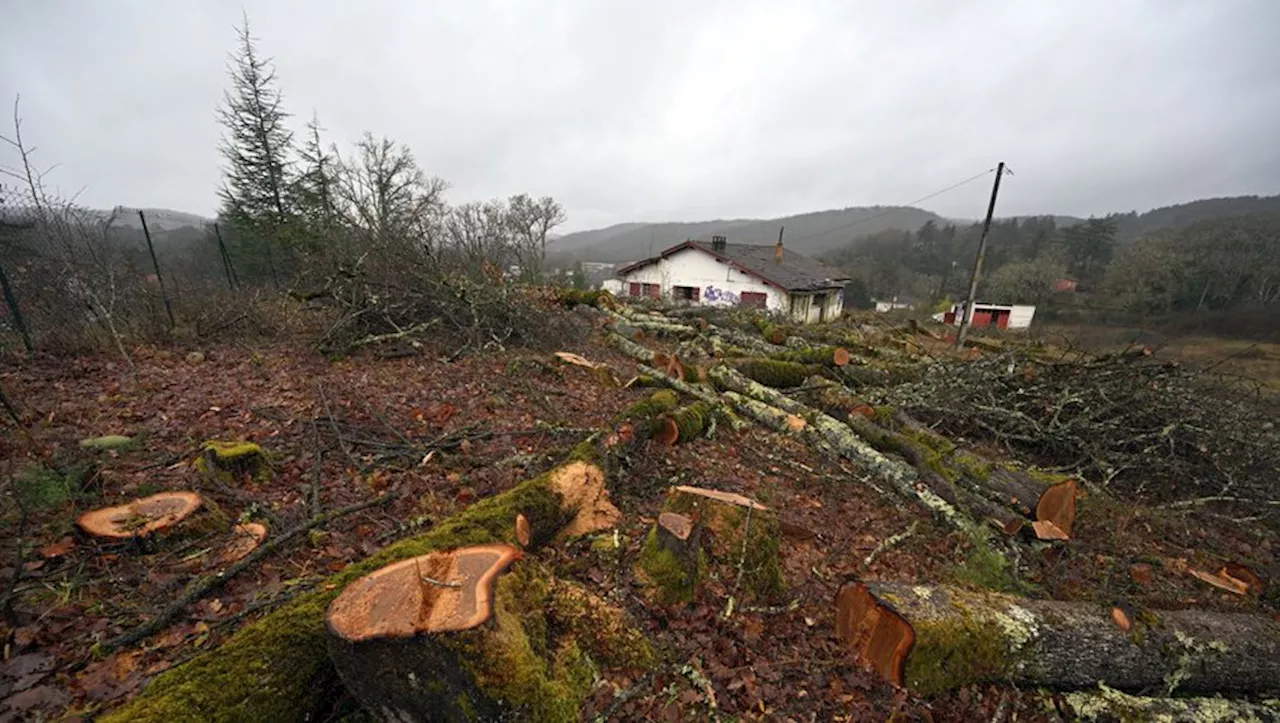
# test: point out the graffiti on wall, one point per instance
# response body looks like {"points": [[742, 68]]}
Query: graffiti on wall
{"points": [[713, 295]]}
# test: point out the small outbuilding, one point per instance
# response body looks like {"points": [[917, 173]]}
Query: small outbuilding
{"points": [[1001, 316]]}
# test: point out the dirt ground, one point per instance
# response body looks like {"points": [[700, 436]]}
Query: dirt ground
{"points": [[354, 427]]}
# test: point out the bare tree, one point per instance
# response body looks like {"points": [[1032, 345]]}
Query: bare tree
{"points": [[383, 194], [531, 221]]}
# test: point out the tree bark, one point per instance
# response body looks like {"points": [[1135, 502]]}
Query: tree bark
{"points": [[963, 637], [1109, 704]]}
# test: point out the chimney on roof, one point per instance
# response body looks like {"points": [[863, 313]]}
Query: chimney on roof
{"points": [[777, 250], [717, 244]]}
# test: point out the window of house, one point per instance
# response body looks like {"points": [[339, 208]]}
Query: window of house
{"points": [[685, 293], [753, 300], [633, 289]]}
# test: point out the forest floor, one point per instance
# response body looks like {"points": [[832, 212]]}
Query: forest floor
{"points": [[441, 435]]}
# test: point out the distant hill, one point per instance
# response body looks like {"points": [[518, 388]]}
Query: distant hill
{"points": [[822, 231], [808, 233], [158, 219], [1133, 224]]}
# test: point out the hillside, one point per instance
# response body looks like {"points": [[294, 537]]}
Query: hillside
{"points": [[815, 233], [158, 219], [810, 233]]}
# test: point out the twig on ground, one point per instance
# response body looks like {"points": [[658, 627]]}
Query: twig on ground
{"points": [[209, 583], [888, 543]]}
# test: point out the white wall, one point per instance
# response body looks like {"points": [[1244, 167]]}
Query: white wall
{"points": [[718, 283], [1020, 316]]}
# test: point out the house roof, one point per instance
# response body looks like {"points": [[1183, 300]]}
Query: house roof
{"points": [[796, 272]]}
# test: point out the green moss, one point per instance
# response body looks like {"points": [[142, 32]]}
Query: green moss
{"points": [[657, 403], [956, 651], [986, 568], [756, 556], [110, 441], [691, 420], [271, 669], [673, 581], [824, 355], [776, 374], [232, 460]]}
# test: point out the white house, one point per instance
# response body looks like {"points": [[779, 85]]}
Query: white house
{"points": [[1003, 316], [725, 274]]}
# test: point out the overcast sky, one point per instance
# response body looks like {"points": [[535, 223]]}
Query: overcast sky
{"points": [[677, 110]]}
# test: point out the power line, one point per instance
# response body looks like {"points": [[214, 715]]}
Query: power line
{"points": [[894, 209]]}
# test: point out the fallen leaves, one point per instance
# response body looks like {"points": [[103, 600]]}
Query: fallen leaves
{"points": [[58, 549]]}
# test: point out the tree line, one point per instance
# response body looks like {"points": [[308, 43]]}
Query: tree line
{"points": [[287, 202], [1217, 263]]}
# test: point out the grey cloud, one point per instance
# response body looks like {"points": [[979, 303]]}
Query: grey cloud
{"points": [[671, 110]]}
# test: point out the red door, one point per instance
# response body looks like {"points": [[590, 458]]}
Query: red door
{"points": [[753, 300], [655, 291], [981, 318], [1002, 319], [633, 289]]}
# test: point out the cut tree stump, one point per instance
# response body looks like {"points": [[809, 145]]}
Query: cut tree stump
{"points": [[141, 518], [705, 530], [448, 636], [271, 669], [935, 638], [388, 634], [233, 461]]}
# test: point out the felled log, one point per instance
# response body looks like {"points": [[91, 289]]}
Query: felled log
{"points": [[655, 325], [775, 373], [272, 669], [741, 546], [570, 298], [684, 424], [934, 638], [836, 356], [1008, 497], [826, 432], [1109, 705], [755, 345]]}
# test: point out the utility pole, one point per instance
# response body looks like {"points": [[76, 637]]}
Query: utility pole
{"points": [[155, 264], [970, 302]]}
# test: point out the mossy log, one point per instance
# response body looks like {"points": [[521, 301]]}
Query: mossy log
{"points": [[826, 432], [934, 638], [1109, 705], [656, 325], [730, 535], [732, 337], [448, 637], [683, 425], [827, 356], [570, 298], [278, 668], [775, 373], [629, 347]]}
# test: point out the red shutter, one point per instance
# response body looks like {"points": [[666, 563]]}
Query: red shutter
{"points": [[753, 300], [634, 289], [655, 291]]}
